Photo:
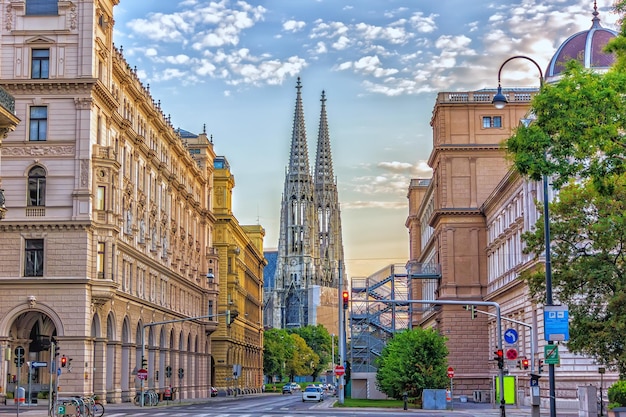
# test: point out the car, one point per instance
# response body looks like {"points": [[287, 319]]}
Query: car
{"points": [[311, 394], [287, 389], [295, 386], [213, 392]]}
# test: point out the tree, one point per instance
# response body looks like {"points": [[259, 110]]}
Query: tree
{"points": [[412, 361], [277, 347], [577, 140], [302, 358], [318, 339]]}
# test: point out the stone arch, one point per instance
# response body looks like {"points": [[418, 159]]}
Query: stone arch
{"points": [[112, 389], [126, 373]]}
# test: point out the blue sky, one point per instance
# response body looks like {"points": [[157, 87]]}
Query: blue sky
{"points": [[232, 65]]}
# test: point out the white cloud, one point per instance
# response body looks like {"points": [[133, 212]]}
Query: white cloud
{"points": [[293, 25]]}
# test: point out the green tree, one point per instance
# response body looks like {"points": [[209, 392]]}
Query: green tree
{"points": [[318, 339], [277, 347], [412, 361], [577, 140], [302, 358]]}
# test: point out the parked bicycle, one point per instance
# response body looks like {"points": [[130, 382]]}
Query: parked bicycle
{"points": [[93, 407], [150, 398]]}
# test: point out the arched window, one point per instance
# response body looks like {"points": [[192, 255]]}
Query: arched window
{"points": [[37, 187], [42, 7]]}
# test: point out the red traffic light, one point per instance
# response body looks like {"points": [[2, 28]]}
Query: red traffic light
{"points": [[346, 298], [63, 361], [499, 354], [525, 363]]}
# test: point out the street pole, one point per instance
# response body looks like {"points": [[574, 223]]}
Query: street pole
{"points": [[341, 335]]}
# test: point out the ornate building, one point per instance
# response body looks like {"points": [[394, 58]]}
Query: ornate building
{"points": [[238, 341], [469, 218], [8, 122], [310, 247], [109, 224]]}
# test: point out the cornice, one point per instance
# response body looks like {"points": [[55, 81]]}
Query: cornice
{"points": [[454, 212], [49, 86]]}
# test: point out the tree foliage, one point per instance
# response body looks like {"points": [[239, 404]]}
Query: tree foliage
{"points": [[277, 347], [302, 360], [319, 340], [412, 361], [578, 141]]}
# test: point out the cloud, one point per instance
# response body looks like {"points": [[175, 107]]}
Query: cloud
{"points": [[293, 25]]}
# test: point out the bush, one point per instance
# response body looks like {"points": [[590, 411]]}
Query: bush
{"points": [[9, 395], [617, 394]]}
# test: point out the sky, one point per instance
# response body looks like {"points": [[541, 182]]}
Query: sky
{"points": [[232, 66]]}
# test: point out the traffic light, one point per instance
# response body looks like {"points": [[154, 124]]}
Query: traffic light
{"points": [[144, 363], [168, 371], [500, 358], [346, 299], [540, 367], [472, 309], [181, 373], [524, 363], [63, 361]]}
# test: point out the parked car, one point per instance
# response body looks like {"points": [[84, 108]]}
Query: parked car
{"points": [[287, 389], [213, 392], [312, 394]]}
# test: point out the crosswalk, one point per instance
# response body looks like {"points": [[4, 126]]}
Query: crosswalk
{"points": [[195, 413]]}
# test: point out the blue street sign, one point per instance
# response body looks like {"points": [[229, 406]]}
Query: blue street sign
{"points": [[510, 336], [556, 322]]}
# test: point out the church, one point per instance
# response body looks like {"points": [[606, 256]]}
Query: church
{"points": [[309, 261]]}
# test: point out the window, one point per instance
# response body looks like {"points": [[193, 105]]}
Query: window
{"points": [[33, 258], [40, 63], [37, 187], [42, 7], [38, 123], [492, 121], [100, 260], [101, 197]]}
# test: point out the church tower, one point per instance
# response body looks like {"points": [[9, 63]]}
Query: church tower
{"points": [[310, 248]]}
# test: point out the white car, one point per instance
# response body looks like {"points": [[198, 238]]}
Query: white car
{"points": [[311, 394]]}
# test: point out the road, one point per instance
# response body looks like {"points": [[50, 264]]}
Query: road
{"points": [[276, 405]]}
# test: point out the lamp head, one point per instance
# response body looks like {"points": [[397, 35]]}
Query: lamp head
{"points": [[499, 100]]}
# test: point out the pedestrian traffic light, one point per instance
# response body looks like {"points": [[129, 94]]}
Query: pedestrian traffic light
{"points": [[472, 309], [346, 299], [63, 361], [500, 358], [144, 363], [540, 365], [524, 363]]}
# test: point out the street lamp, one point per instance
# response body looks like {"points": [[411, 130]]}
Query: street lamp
{"points": [[499, 101]]}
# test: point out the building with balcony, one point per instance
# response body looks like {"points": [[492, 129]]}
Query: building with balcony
{"points": [[109, 223], [8, 122]]}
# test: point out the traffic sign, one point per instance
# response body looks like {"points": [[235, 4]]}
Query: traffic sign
{"points": [[450, 372], [36, 364], [556, 323], [551, 353], [340, 370], [511, 354], [510, 336], [142, 374]]}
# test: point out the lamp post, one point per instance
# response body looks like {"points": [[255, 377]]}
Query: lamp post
{"points": [[499, 101]]}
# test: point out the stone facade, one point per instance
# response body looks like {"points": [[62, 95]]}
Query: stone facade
{"points": [[469, 218], [238, 345], [109, 225]]}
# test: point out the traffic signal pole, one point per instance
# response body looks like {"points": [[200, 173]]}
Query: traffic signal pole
{"points": [[462, 303]]}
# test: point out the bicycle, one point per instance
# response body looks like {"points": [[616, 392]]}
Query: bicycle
{"points": [[93, 407], [150, 397]]}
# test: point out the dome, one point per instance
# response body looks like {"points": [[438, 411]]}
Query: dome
{"points": [[586, 47]]}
